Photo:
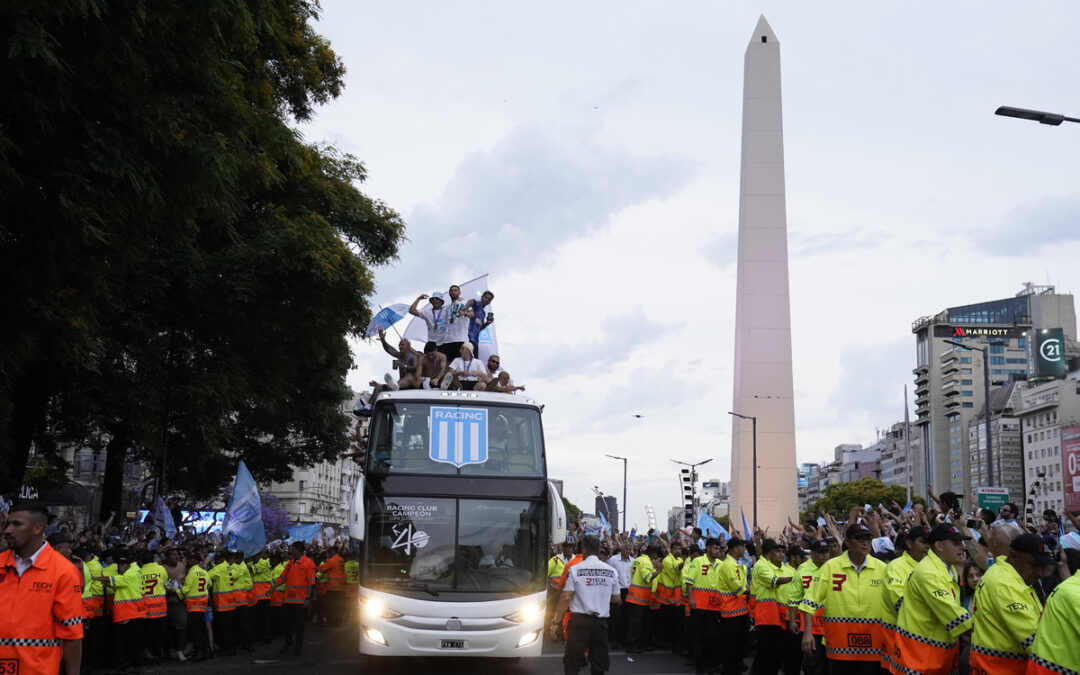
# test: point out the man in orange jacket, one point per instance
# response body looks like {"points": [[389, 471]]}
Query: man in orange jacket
{"points": [[41, 608], [334, 567], [299, 579]]}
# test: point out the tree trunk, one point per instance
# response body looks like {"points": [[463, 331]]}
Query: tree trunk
{"points": [[28, 411], [112, 487]]}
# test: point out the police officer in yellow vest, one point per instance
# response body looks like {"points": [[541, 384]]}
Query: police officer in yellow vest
{"points": [[1007, 609], [914, 545], [555, 567], [768, 586], [1057, 644], [701, 578], [639, 597], [669, 585], [849, 588], [804, 575], [734, 612], [931, 618]]}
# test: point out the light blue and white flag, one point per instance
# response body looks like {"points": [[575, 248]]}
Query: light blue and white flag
{"points": [[163, 518], [305, 533], [243, 526], [605, 525], [386, 317], [711, 527], [747, 532], [908, 507]]}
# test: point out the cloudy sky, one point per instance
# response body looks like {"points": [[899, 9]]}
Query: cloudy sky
{"points": [[586, 155]]}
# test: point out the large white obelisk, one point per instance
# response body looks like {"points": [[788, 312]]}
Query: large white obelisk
{"points": [[763, 380]]}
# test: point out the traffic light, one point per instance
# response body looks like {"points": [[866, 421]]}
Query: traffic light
{"points": [[686, 485]]}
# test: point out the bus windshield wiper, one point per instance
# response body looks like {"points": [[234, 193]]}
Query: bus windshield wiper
{"points": [[412, 585]]}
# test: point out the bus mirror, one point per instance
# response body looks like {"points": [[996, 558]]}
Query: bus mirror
{"points": [[558, 515], [356, 513]]}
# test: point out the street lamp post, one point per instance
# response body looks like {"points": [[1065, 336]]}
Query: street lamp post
{"points": [[754, 420], [1039, 116], [987, 411], [693, 480], [623, 523]]}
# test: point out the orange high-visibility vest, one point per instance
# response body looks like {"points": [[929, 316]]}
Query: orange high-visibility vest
{"points": [[298, 577], [335, 572], [196, 590], [153, 578], [852, 603], [641, 573], [38, 612], [732, 587]]}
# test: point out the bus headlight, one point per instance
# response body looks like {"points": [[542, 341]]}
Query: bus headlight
{"points": [[375, 636], [528, 638], [526, 613], [374, 607]]}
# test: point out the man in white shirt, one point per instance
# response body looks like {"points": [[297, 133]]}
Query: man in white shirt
{"points": [[435, 315], [622, 564], [591, 588], [459, 315], [466, 372]]}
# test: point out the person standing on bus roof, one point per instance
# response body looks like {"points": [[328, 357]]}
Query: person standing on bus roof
{"points": [[591, 588], [460, 315]]}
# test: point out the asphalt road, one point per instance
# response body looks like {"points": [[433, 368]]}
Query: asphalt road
{"points": [[330, 651]]}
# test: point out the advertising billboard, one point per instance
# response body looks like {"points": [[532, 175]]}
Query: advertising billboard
{"points": [[195, 521], [1046, 355], [1070, 467]]}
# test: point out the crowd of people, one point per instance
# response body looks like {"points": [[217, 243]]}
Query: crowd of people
{"points": [[451, 355], [109, 599], [927, 590], [916, 591]]}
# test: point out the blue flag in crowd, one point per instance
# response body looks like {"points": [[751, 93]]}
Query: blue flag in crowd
{"points": [[304, 532], [163, 518], [386, 317], [908, 507], [710, 527], [747, 532], [243, 526], [604, 525]]}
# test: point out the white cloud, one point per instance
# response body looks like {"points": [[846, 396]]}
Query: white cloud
{"points": [[587, 156]]}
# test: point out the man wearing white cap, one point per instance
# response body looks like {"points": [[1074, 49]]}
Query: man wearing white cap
{"points": [[435, 315], [466, 372]]}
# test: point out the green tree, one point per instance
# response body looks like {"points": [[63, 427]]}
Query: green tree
{"points": [[839, 498], [182, 270], [572, 511]]}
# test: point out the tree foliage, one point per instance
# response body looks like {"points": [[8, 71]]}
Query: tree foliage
{"points": [[839, 498], [181, 268], [573, 513]]}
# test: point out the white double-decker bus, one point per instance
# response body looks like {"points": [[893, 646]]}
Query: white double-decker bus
{"points": [[455, 515]]}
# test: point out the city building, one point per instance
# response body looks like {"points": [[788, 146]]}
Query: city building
{"points": [[949, 388], [895, 458], [1008, 454], [322, 493], [715, 495], [609, 506], [1045, 410], [809, 486]]}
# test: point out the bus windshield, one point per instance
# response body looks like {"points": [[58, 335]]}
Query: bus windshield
{"points": [[445, 544], [454, 438]]}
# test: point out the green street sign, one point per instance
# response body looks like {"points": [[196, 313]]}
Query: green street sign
{"points": [[992, 498]]}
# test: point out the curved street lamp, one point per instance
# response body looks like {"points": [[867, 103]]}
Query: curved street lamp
{"points": [[1053, 119]]}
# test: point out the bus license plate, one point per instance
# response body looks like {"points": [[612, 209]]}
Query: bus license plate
{"points": [[453, 644]]}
